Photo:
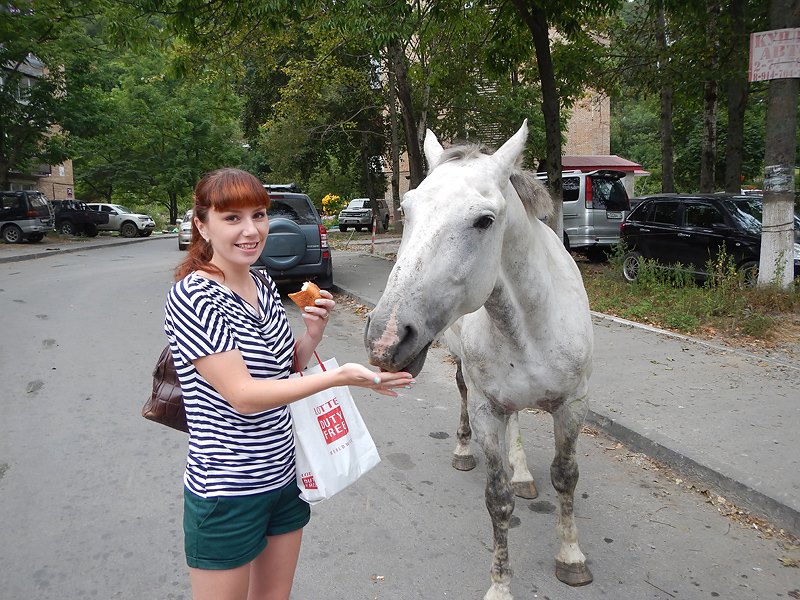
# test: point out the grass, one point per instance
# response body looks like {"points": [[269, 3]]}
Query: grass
{"points": [[671, 299]]}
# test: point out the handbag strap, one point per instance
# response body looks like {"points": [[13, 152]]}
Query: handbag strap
{"points": [[298, 371]]}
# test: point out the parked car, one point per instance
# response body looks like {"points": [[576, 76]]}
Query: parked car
{"points": [[75, 218], [185, 231], [128, 223], [24, 216], [358, 214], [297, 245], [693, 229], [595, 203]]}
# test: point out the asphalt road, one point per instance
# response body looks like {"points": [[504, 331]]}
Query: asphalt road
{"points": [[90, 493]]}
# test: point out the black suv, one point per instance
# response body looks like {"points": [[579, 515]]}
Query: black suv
{"points": [[297, 245], [693, 229]]}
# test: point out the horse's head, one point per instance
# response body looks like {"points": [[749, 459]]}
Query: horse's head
{"points": [[449, 257]]}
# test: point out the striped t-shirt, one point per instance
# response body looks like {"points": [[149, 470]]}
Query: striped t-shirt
{"points": [[230, 453]]}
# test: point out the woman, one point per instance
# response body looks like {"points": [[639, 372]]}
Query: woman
{"points": [[234, 351]]}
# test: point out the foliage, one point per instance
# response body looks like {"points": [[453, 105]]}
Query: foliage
{"points": [[671, 299], [142, 134]]}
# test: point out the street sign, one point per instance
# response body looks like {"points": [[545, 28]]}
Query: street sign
{"points": [[774, 54]]}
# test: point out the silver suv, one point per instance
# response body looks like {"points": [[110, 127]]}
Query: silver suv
{"points": [[358, 215], [595, 204], [128, 223]]}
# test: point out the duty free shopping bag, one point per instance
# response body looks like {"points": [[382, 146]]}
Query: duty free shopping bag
{"points": [[333, 446]]}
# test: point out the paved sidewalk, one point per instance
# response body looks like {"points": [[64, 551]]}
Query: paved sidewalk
{"points": [[721, 418]]}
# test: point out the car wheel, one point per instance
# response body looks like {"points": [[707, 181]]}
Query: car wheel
{"points": [[342, 227], [35, 237], [90, 230], [129, 230], [67, 228], [630, 266], [749, 273], [145, 233], [182, 246], [12, 234], [386, 223], [566, 242]]}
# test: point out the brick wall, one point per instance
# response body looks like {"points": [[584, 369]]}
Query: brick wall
{"points": [[589, 127], [60, 184]]}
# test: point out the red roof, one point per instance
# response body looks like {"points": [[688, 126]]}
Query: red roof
{"points": [[591, 163]]}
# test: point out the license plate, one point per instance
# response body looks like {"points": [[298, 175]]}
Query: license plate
{"points": [[614, 214]]}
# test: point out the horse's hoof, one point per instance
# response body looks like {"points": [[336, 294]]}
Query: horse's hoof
{"points": [[574, 574], [464, 462], [525, 489]]}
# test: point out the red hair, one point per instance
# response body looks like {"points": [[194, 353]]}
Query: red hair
{"points": [[220, 190]]}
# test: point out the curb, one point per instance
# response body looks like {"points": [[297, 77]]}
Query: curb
{"points": [[80, 248], [662, 450]]}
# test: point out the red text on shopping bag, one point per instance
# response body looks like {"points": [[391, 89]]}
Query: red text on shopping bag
{"points": [[308, 481], [331, 421]]}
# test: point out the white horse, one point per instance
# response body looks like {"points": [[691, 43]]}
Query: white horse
{"points": [[476, 259]]}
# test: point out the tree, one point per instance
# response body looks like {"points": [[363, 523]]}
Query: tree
{"points": [[35, 42], [567, 17], [139, 131]]}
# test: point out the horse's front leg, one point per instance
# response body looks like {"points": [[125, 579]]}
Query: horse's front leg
{"points": [[463, 460], [521, 478], [570, 562], [490, 429]]}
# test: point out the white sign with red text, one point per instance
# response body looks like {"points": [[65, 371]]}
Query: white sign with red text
{"points": [[774, 54]]}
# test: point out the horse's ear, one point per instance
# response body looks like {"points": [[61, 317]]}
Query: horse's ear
{"points": [[433, 149], [509, 152]]}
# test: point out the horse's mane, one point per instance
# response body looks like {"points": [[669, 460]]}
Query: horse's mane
{"points": [[534, 195]]}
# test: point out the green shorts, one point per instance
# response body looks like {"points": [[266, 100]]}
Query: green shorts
{"points": [[225, 532]]}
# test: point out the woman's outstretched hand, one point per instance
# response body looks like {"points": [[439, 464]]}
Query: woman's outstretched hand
{"points": [[384, 382]]}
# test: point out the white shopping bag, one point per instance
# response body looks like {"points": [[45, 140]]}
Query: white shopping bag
{"points": [[333, 446]]}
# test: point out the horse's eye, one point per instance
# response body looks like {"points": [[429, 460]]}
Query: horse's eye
{"points": [[483, 222]]}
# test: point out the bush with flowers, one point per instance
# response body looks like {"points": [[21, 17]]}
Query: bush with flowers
{"points": [[332, 204]]}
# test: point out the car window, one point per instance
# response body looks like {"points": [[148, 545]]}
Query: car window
{"points": [[664, 212], [38, 201], [747, 214], [123, 209], [295, 209], [571, 188], [609, 193], [702, 215]]}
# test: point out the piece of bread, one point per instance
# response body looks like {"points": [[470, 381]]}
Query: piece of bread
{"points": [[307, 294]]}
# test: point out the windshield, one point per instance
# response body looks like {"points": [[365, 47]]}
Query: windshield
{"points": [[122, 209], [359, 203]]}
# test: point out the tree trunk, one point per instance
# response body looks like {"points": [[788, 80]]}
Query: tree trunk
{"points": [[737, 100], [395, 152], [708, 155], [416, 169], [777, 237], [665, 118], [536, 20]]}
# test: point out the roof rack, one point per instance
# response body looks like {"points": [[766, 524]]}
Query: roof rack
{"points": [[283, 187]]}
